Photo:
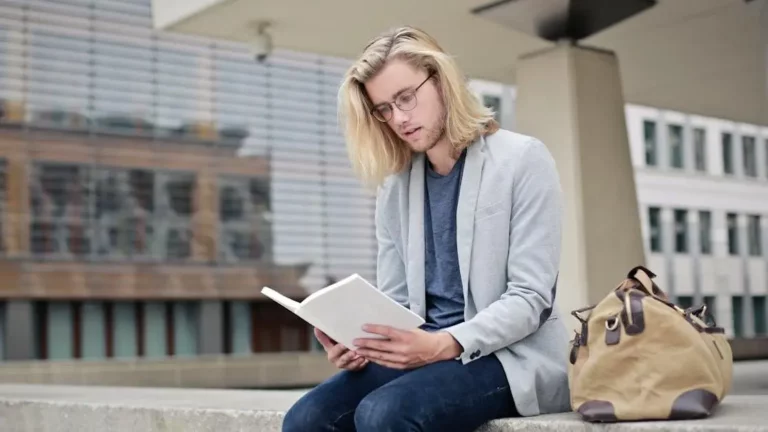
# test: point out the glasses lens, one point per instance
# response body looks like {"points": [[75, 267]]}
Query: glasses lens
{"points": [[406, 101], [382, 114]]}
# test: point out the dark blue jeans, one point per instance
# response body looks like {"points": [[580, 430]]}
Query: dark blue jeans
{"points": [[443, 396]]}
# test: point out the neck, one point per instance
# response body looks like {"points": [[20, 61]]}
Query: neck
{"points": [[441, 157]]}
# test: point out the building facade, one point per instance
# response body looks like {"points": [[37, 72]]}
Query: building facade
{"points": [[152, 183]]}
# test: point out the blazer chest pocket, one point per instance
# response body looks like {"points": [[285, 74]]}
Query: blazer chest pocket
{"points": [[489, 210]]}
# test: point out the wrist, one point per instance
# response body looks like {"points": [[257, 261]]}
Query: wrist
{"points": [[449, 348]]}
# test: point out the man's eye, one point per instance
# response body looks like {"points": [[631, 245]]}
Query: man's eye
{"points": [[405, 99]]}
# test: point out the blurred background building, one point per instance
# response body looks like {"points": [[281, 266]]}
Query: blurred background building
{"points": [[151, 183]]}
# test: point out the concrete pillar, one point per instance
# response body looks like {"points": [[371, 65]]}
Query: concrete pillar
{"points": [[19, 330], [211, 327], [570, 97]]}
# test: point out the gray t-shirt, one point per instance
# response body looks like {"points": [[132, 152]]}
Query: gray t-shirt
{"points": [[444, 293]]}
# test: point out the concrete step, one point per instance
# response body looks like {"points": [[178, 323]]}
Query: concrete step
{"points": [[49, 408]]}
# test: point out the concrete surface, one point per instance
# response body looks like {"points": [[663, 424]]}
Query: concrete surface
{"points": [[89, 409], [263, 370], [47, 408]]}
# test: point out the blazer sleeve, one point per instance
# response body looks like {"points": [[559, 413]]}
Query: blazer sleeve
{"points": [[532, 264], [390, 267]]}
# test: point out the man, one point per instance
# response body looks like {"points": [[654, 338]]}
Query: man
{"points": [[468, 229]]}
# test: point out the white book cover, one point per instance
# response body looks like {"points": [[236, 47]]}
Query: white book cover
{"points": [[340, 310]]}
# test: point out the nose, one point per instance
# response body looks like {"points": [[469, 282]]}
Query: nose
{"points": [[399, 116]]}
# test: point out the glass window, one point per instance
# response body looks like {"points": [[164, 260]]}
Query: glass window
{"points": [[754, 235], [245, 219], [60, 341], [750, 156], [185, 328], [676, 155], [759, 312], [155, 331], [765, 154], [710, 302], [733, 234], [705, 232], [681, 231], [654, 222], [649, 137], [727, 145], [685, 301], [737, 309], [92, 329], [700, 149], [494, 103], [125, 330], [240, 322]]}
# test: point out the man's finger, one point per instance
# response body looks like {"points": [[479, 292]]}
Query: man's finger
{"points": [[324, 340], [376, 355], [336, 351], [376, 344], [346, 358], [382, 330]]}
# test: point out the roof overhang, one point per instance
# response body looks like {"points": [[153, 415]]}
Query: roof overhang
{"points": [[706, 57]]}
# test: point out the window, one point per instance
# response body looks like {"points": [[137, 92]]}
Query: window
{"points": [[649, 136], [700, 149], [709, 302], [681, 231], [750, 156], [244, 212], [705, 232], [91, 212], [754, 236], [738, 316], [654, 222], [758, 311], [676, 155], [685, 301], [733, 234], [727, 145], [494, 103]]}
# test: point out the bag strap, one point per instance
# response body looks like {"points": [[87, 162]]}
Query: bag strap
{"points": [[645, 277]]}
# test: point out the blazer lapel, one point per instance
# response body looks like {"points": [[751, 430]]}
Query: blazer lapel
{"points": [[415, 256], [465, 211]]}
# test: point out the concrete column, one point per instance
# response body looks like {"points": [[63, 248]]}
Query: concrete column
{"points": [[19, 330], [570, 97], [211, 330]]}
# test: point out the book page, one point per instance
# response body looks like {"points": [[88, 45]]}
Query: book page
{"points": [[352, 303], [284, 301]]}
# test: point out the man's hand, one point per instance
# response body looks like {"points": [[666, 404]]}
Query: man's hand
{"points": [[339, 355], [406, 349]]}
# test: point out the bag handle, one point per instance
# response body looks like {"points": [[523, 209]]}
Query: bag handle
{"points": [[645, 277]]}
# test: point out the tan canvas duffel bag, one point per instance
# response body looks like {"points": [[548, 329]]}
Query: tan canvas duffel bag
{"points": [[640, 357]]}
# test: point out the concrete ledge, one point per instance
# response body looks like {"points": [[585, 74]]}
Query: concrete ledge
{"points": [[267, 370], [89, 409]]}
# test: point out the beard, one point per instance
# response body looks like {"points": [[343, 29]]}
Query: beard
{"points": [[430, 136]]}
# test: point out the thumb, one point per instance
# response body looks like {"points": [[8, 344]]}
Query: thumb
{"points": [[324, 340]]}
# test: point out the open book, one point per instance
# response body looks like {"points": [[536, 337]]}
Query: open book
{"points": [[340, 310]]}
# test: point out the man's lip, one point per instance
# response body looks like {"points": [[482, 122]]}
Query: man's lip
{"points": [[408, 132]]}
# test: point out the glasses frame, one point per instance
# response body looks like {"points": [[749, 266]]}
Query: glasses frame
{"points": [[413, 92]]}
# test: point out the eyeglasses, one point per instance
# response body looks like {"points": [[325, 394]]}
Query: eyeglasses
{"points": [[405, 101]]}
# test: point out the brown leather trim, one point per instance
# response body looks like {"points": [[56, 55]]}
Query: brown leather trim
{"points": [[613, 336], [597, 411], [638, 318], [693, 404]]}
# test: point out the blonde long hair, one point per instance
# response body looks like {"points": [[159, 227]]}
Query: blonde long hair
{"points": [[375, 151]]}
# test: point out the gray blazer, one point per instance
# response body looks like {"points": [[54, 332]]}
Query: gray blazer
{"points": [[508, 238]]}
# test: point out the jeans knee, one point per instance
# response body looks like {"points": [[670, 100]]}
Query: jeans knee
{"points": [[307, 415], [381, 412]]}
